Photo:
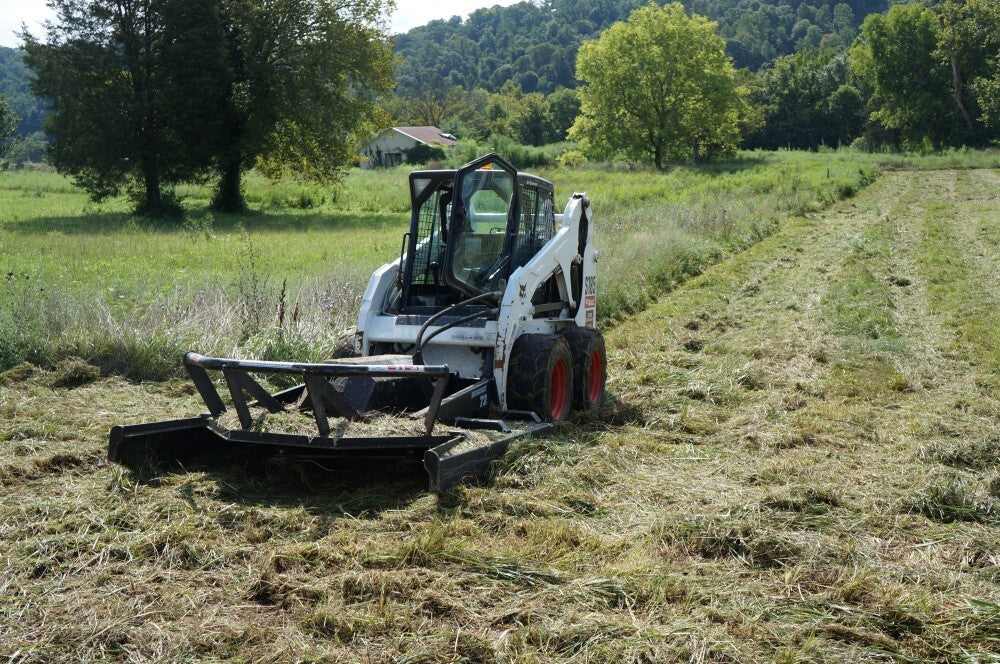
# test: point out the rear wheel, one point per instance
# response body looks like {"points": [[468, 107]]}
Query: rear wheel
{"points": [[540, 377], [590, 365]]}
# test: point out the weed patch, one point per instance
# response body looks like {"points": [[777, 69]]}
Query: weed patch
{"points": [[952, 498]]}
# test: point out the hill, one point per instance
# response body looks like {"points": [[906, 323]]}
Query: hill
{"points": [[534, 44]]}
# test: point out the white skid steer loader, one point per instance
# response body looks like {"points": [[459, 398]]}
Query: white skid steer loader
{"points": [[485, 323]]}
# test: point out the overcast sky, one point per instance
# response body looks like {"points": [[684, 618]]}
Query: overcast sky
{"points": [[409, 14]]}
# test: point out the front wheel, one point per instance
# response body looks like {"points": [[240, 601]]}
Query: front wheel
{"points": [[590, 365], [540, 377]]}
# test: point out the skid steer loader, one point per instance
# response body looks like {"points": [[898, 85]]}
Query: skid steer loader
{"points": [[486, 324]]}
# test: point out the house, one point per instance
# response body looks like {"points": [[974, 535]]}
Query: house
{"points": [[389, 148]]}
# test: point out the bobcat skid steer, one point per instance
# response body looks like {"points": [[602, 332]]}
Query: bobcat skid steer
{"points": [[481, 332]]}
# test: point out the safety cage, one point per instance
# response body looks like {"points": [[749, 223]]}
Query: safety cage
{"points": [[469, 230]]}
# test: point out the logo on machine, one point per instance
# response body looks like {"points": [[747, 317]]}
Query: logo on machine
{"points": [[590, 302]]}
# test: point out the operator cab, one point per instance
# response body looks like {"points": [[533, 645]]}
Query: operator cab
{"points": [[470, 229]]}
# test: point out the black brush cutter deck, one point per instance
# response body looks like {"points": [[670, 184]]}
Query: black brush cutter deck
{"points": [[346, 389]]}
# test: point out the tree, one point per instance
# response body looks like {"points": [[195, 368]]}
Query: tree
{"points": [[14, 77], [119, 119], [564, 106], [306, 78], [8, 128], [531, 120], [659, 86], [808, 101], [431, 103], [896, 54], [969, 43]]}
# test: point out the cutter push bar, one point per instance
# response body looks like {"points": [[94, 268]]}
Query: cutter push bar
{"points": [[340, 389], [316, 380]]}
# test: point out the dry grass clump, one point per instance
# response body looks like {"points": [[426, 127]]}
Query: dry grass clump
{"points": [[18, 373], [72, 372], [975, 455], [952, 497]]}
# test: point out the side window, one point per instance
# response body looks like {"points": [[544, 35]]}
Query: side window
{"points": [[537, 224], [547, 220], [428, 256]]}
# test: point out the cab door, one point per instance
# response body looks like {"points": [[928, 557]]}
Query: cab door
{"points": [[482, 225]]}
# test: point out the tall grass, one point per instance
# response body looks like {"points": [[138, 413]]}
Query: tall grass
{"points": [[655, 230], [132, 295]]}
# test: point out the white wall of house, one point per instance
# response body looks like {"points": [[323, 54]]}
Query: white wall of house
{"points": [[387, 149]]}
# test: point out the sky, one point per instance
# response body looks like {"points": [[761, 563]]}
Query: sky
{"points": [[408, 14]]}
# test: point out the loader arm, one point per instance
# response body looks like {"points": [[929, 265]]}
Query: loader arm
{"points": [[557, 258]]}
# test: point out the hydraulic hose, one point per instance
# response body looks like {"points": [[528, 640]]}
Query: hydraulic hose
{"points": [[454, 323], [421, 342]]}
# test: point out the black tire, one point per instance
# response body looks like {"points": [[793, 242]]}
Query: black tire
{"points": [[590, 366], [540, 377]]}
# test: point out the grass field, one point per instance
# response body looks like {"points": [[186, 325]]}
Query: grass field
{"points": [[798, 462], [131, 295]]}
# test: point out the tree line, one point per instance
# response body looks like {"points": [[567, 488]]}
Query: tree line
{"points": [[535, 44], [145, 94], [919, 76]]}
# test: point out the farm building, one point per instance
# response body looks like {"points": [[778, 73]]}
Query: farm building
{"points": [[389, 148]]}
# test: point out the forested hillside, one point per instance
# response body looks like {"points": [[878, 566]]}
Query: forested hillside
{"points": [[14, 87], [534, 44]]}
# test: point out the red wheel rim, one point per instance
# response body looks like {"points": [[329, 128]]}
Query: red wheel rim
{"points": [[559, 390], [596, 377]]}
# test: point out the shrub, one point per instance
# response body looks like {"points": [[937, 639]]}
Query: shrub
{"points": [[572, 159], [422, 153]]}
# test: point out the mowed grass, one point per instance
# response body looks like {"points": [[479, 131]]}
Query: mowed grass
{"points": [[797, 463], [131, 295]]}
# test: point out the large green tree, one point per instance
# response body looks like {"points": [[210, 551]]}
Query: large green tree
{"points": [[969, 43], [306, 79], [659, 86], [912, 85], [132, 85]]}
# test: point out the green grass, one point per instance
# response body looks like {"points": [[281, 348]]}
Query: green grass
{"points": [[131, 294]]}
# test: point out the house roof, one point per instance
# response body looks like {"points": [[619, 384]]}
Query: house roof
{"points": [[428, 135]]}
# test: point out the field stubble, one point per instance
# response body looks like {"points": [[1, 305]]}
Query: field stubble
{"points": [[798, 464]]}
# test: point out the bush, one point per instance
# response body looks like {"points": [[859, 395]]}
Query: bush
{"points": [[572, 159], [521, 156], [421, 154]]}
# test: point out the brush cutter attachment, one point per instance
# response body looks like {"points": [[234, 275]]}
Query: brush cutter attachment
{"points": [[386, 396]]}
